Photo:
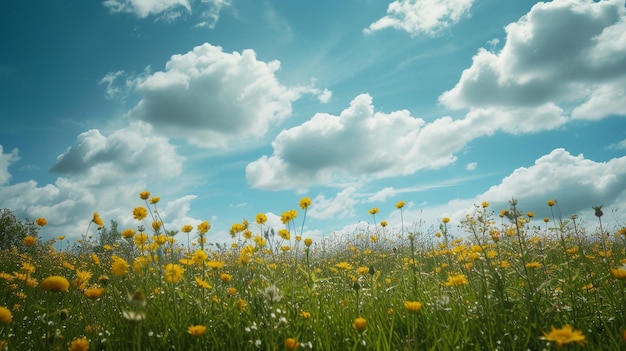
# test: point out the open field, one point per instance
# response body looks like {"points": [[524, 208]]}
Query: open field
{"points": [[505, 285]]}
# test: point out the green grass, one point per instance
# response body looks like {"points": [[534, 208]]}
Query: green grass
{"points": [[514, 283]]}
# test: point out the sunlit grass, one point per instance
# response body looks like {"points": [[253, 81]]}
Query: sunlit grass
{"points": [[506, 284]]}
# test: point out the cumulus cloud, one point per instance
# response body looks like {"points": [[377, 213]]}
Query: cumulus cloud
{"points": [[422, 16], [212, 98], [145, 8], [99, 173], [131, 150], [562, 52], [577, 183], [211, 12], [5, 161], [341, 206], [361, 144]]}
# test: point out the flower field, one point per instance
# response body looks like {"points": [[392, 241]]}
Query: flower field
{"points": [[507, 283]]}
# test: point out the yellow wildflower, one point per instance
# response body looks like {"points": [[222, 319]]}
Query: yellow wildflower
{"points": [[144, 195], [305, 202], [533, 264], [173, 272], [79, 344], [97, 220], [204, 227], [373, 211], [119, 267], [619, 273], [140, 213], [551, 203], [291, 344], [360, 324], [308, 242], [128, 233], [187, 228], [412, 306], [456, 280], [196, 330], [5, 315], [41, 222], [30, 240], [565, 335], [55, 283], [155, 199], [225, 277], [400, 204], [261, 218], [94, 292]]}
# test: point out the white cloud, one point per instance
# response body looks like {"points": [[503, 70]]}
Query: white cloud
{"points": [[471, 166], [577, 183], [561, 52], [104, 174], [360, 144], [211, 12], [341, 206], [215, 99], [618, 146], [382, 195], [145, 8], [422, 16], [5, 161]]}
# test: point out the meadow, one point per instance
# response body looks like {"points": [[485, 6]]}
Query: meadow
{"points": [[507, 283]]}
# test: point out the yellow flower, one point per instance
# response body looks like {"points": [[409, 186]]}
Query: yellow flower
{"points": [[41, 221], [619, 273], [140, 213], [445, 220], [551, 203], [160, 239], [533, 264], [291, 344], [400, 204], [199, 256], [30, 240], [412, 306], [530, 214], [79, 344], [97, 220], [155, 199], [82, 278], [565, 335], [360, 324], [232, 291], [156, 225], [306, 315], [305, 202], [94, 292], [204, 227], [241, 304], [546, 219], [196, 330], [215, 264], [225, 277], [119, 267], [144, 195], [128, 233], [284, 233], [308, 242], [173, 272], [187, 228], [261, 218], [5, 315], [55, 283], [201, 283], [456, 280], [141, 239], [285, 248], [383, 224], [373, 211]]}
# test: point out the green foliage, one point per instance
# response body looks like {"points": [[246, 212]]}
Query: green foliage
{"points": [[504, 285], [13, 230]]}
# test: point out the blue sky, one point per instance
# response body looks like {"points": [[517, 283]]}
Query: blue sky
{"points": [[229, 108]]}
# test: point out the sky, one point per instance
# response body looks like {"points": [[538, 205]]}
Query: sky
{"points": [[229, 108]]}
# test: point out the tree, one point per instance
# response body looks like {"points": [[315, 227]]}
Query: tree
{"points": [[13, 230]]}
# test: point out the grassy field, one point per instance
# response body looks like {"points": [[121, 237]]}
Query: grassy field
{"points": [[506, 284]]}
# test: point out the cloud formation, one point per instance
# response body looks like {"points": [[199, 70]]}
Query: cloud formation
{"points": [[5, 161], [99, 173], [562, 52], [145, 8], [422, 16], [215, 99]]}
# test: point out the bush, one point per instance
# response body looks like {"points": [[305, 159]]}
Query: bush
{"points": [[13, 230]]}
